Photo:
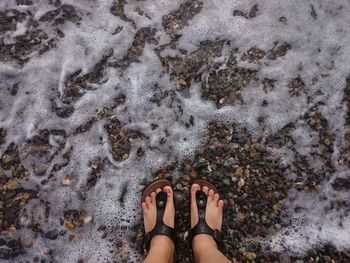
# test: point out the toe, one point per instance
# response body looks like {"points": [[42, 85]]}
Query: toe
{"points": [[221, 204], [153, 197], [158, 190], [144, 207], [205, 190], [211, 194], [170, 194], [169, 213], [194, 189], [148, 201], [168, 190], [216, 197], [194, 210]]}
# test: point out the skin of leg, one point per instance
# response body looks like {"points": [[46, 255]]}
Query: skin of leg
{"points": [[162, 247], [204, 246]]}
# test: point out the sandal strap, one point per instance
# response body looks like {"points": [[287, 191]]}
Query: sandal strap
{"points": [[160, 228], [202, 227]]}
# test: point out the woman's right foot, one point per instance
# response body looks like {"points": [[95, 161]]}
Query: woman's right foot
{"points": [[213, 216]]}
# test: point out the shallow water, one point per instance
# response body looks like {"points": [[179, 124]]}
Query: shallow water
{"points": [[97, 96]]}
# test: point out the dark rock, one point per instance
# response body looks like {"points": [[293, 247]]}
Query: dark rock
{"points": [[14, 89], [178, 19], [341, 184], [64, 112], [52, 234], [5, 252]]}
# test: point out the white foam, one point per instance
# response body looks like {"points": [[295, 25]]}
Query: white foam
{"points": [[314, 45]]}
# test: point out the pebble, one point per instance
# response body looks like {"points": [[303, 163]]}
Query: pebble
{"points": [[226, 182], [179, 187], [327, 142], [41, 169], [212, 148], [69, 225], [179, 198], [5, 252], [278, 226], [327, 258], [66, 181], [250, 255], [241, 182], [284, 258], [52, 234], [11, 184], [87, 219], [231, 202]]}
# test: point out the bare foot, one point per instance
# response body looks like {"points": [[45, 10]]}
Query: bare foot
{"points": [[213, 216], [149, 209]]}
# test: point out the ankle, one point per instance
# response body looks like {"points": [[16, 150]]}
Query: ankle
{"points": [[202, 243], [163, 242]]}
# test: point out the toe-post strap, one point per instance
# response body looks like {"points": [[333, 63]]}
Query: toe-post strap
{"points": [[202, 227], [160, 228]]}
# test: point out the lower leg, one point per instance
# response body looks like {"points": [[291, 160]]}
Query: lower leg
{"points": [[161, 250], [161, 247], [205, 250], [204, 247]]}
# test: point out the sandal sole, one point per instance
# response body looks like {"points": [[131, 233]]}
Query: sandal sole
{"points": [[202, 183], [152, 187]]}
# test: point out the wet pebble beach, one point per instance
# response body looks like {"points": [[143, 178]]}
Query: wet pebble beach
{"points": [[100, 98]]}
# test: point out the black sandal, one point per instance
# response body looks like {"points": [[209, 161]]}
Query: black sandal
{"points": [[161, 198], [202, 227]]}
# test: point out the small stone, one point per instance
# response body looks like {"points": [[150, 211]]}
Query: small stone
{"points": [[69, 225], [179, 187], [41, 169], [250, 255], [11, 184], [182, 82], [239, 171], [5, 252], [27, 242], [242, 250], [87, 219], [241, 182], [66, 180], [234, 179], [277, 207], [231, 202], [284, 258], [46, 250], [62, 232], [102, 228], [52, 234], [25, 195], [226, 182], [179, 198], [212, 148], [24, 220], [327, 142], [327, 258]]}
